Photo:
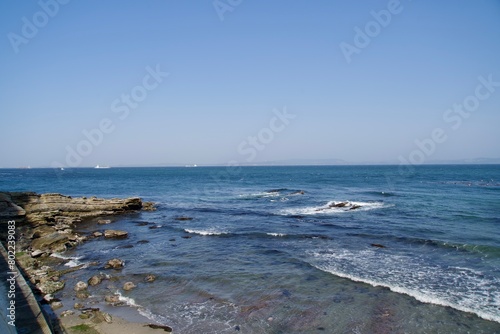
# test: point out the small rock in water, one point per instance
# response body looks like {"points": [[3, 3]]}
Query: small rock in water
{"points": [[117, 234], [378, 245], [82, 294], [112, 299], [128, 286], [237, 328], [165, 328], [67, 312], [173, 239], [94, 280], [354, 207], [78, 306], [183, 218], [97, 234], [143, 242], [48, 298], [103, 222], [56, 305], [150, 278], [80, 286], [186, 237], [142, 224], [114, 263]]}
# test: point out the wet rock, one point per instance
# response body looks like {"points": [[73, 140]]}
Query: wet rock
{"points": [[95, 280], [378, 245], [354, 207], [103, 222], [154, 227], [78, 306], [148, 206], [125, 246], [84, 294], [299, 192], [97, 234], [49, 298], [128, 286], [37, 253], [165, 328], [339, 205], [80, 286], [56, 305], [112, 299], [150, 278], [67, 313], [183, 218], [114, 264], [116, 234], [49, 286]]}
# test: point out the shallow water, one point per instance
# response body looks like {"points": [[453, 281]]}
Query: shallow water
{"points": [[262, 257]]}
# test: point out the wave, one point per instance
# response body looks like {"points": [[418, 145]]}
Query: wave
{"points": [[461, 288], [335, 207], [279, 192], [206, 232]]}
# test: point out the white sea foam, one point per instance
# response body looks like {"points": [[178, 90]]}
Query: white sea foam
{"points": [[330, 207], [461, 288], [206, 232], [276, 234], [73, 261]]}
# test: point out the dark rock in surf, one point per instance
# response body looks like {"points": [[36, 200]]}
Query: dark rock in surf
{"points": [[354, 207], [339, 205], [165, 328], [378, 245], [183, 218], [143, 242]]}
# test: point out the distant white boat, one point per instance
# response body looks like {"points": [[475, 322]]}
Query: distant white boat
{"points": [[101, 167], [62, 168]]}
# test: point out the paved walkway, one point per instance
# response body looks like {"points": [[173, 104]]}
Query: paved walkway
{"points": [[28, 315]]}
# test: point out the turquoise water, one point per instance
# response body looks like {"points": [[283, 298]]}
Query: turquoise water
{"points": [[263, 257]]}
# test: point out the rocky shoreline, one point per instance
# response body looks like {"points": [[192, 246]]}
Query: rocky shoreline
{"points": [[45, 225]]}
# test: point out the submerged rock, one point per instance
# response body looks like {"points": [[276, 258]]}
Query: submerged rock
{"points": [[103, 221], [112, 299], [183, 218], [56, 305]]}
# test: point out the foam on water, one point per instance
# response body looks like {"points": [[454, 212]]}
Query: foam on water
{"points": [[206, 232], [73, 261], [330, 207], [276, 234], [461, 288]]}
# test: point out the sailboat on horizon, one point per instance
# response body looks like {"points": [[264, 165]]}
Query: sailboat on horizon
{"points": [[101, 167]]}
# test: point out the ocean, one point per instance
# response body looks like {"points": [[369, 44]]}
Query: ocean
{"points": [[295, 249]]}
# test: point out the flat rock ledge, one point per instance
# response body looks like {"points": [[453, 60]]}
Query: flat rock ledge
{"points": [[45, 224]]}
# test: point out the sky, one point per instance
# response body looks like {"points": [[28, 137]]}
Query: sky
{"points": [[126, 83]]}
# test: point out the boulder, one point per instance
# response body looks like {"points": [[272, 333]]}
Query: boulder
{"points": [[103, 221]]}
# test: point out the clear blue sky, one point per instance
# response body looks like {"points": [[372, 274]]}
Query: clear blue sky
{"points": [[227, 76]]}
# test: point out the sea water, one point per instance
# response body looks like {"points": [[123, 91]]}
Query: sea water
{"points": [[339, 249]]}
